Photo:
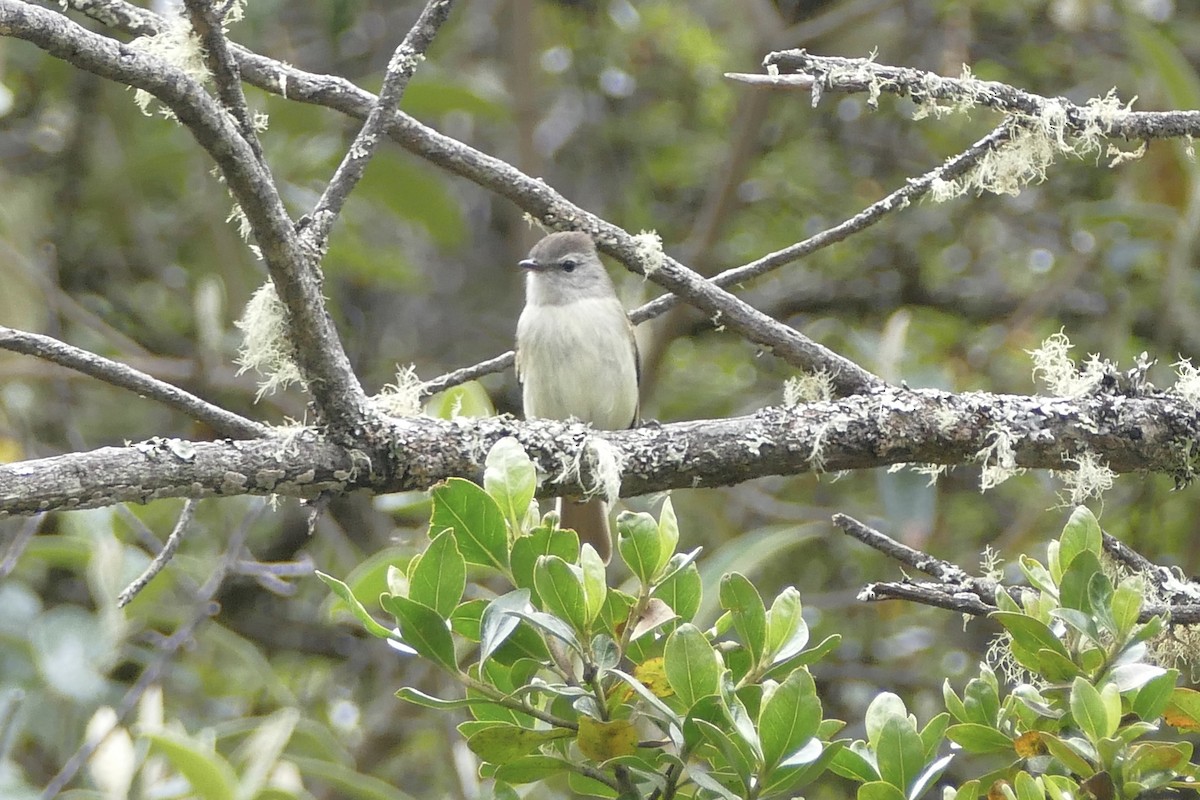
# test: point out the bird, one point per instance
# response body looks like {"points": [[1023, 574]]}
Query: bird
{"points": [[577, 357]]}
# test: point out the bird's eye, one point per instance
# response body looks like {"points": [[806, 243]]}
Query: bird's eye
{"points": [[568, 264]]}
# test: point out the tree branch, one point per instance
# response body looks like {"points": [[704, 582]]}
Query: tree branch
{"points": [[1155, 433], [225, 423], [851, 75], [400, 69], [293, 270]]}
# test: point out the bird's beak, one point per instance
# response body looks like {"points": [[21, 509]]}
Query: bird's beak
{"points": [[530, 263]]}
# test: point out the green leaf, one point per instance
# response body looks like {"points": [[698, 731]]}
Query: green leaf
{"points": [[540, 542], [210, 775], [1090, 712], [439, 576], [1068, 756], [899, 753], [886, 706], [1027, 788], [805, 657], [855, 762], [668, 535], [531, 769], [979, 739], [510, 478], [419, 698], [357, 608], [800, 768], [1081, 534], [476, 520], [736, 755], [595, 582], [741, 599], [497, 623], [548, 623], [1152, 699], [982, 698], [879, 790], [933, 733], [1127, 677], [952, 702], [502, 743], [423, 629], [929, 776], [691, 664], [787, 632], [682, 591], [467, 619], [1029, 633], [638, 544], [1073, 589], [560, 587], [1126, 605], [788, 717]]}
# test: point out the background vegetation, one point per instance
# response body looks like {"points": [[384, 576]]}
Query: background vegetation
{"points": [[114, 237]]}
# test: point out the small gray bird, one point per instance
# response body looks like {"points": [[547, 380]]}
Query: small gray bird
{"points": [[576, 356]]}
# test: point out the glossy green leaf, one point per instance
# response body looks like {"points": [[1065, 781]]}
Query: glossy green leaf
{"points": [[510, 478], [979, 739], [879, 790], [691, 664], [1081, 534], [440, 575], [540, 542], [1026, 787], [800, 768], [899, 753], [595, 582], [1067, 754], [1073, 589], [1090, 711], [739, 597], [476, 520], [560, 587], [1029, 633], [1128, 677], [1152, 699], [638, 544], [356, 607], [682, 591], [531, 769], [928, 776], [736, 755], [787, 632], [423, 629], [497, 624], [1126, 605], [501, 744], [789, 717], [933, 733], [419, 698], [668, 536], [885, 707], [953, 702], [855, 762]]}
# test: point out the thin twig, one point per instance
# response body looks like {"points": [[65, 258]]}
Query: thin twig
{"points": [[895, 201], [400, 69], [182, 525], [20, 541], [930, 565], [225, 423], [208, 22], [205, 608]]}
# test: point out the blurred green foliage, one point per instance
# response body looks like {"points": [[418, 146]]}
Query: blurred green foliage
{"points": [[113, 237]]}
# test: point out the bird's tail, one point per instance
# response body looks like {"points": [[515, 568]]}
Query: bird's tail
{"points": [[590, 520]]}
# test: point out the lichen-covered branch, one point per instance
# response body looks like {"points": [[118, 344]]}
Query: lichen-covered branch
{"points": [[318, 349], [1156, 433]]}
